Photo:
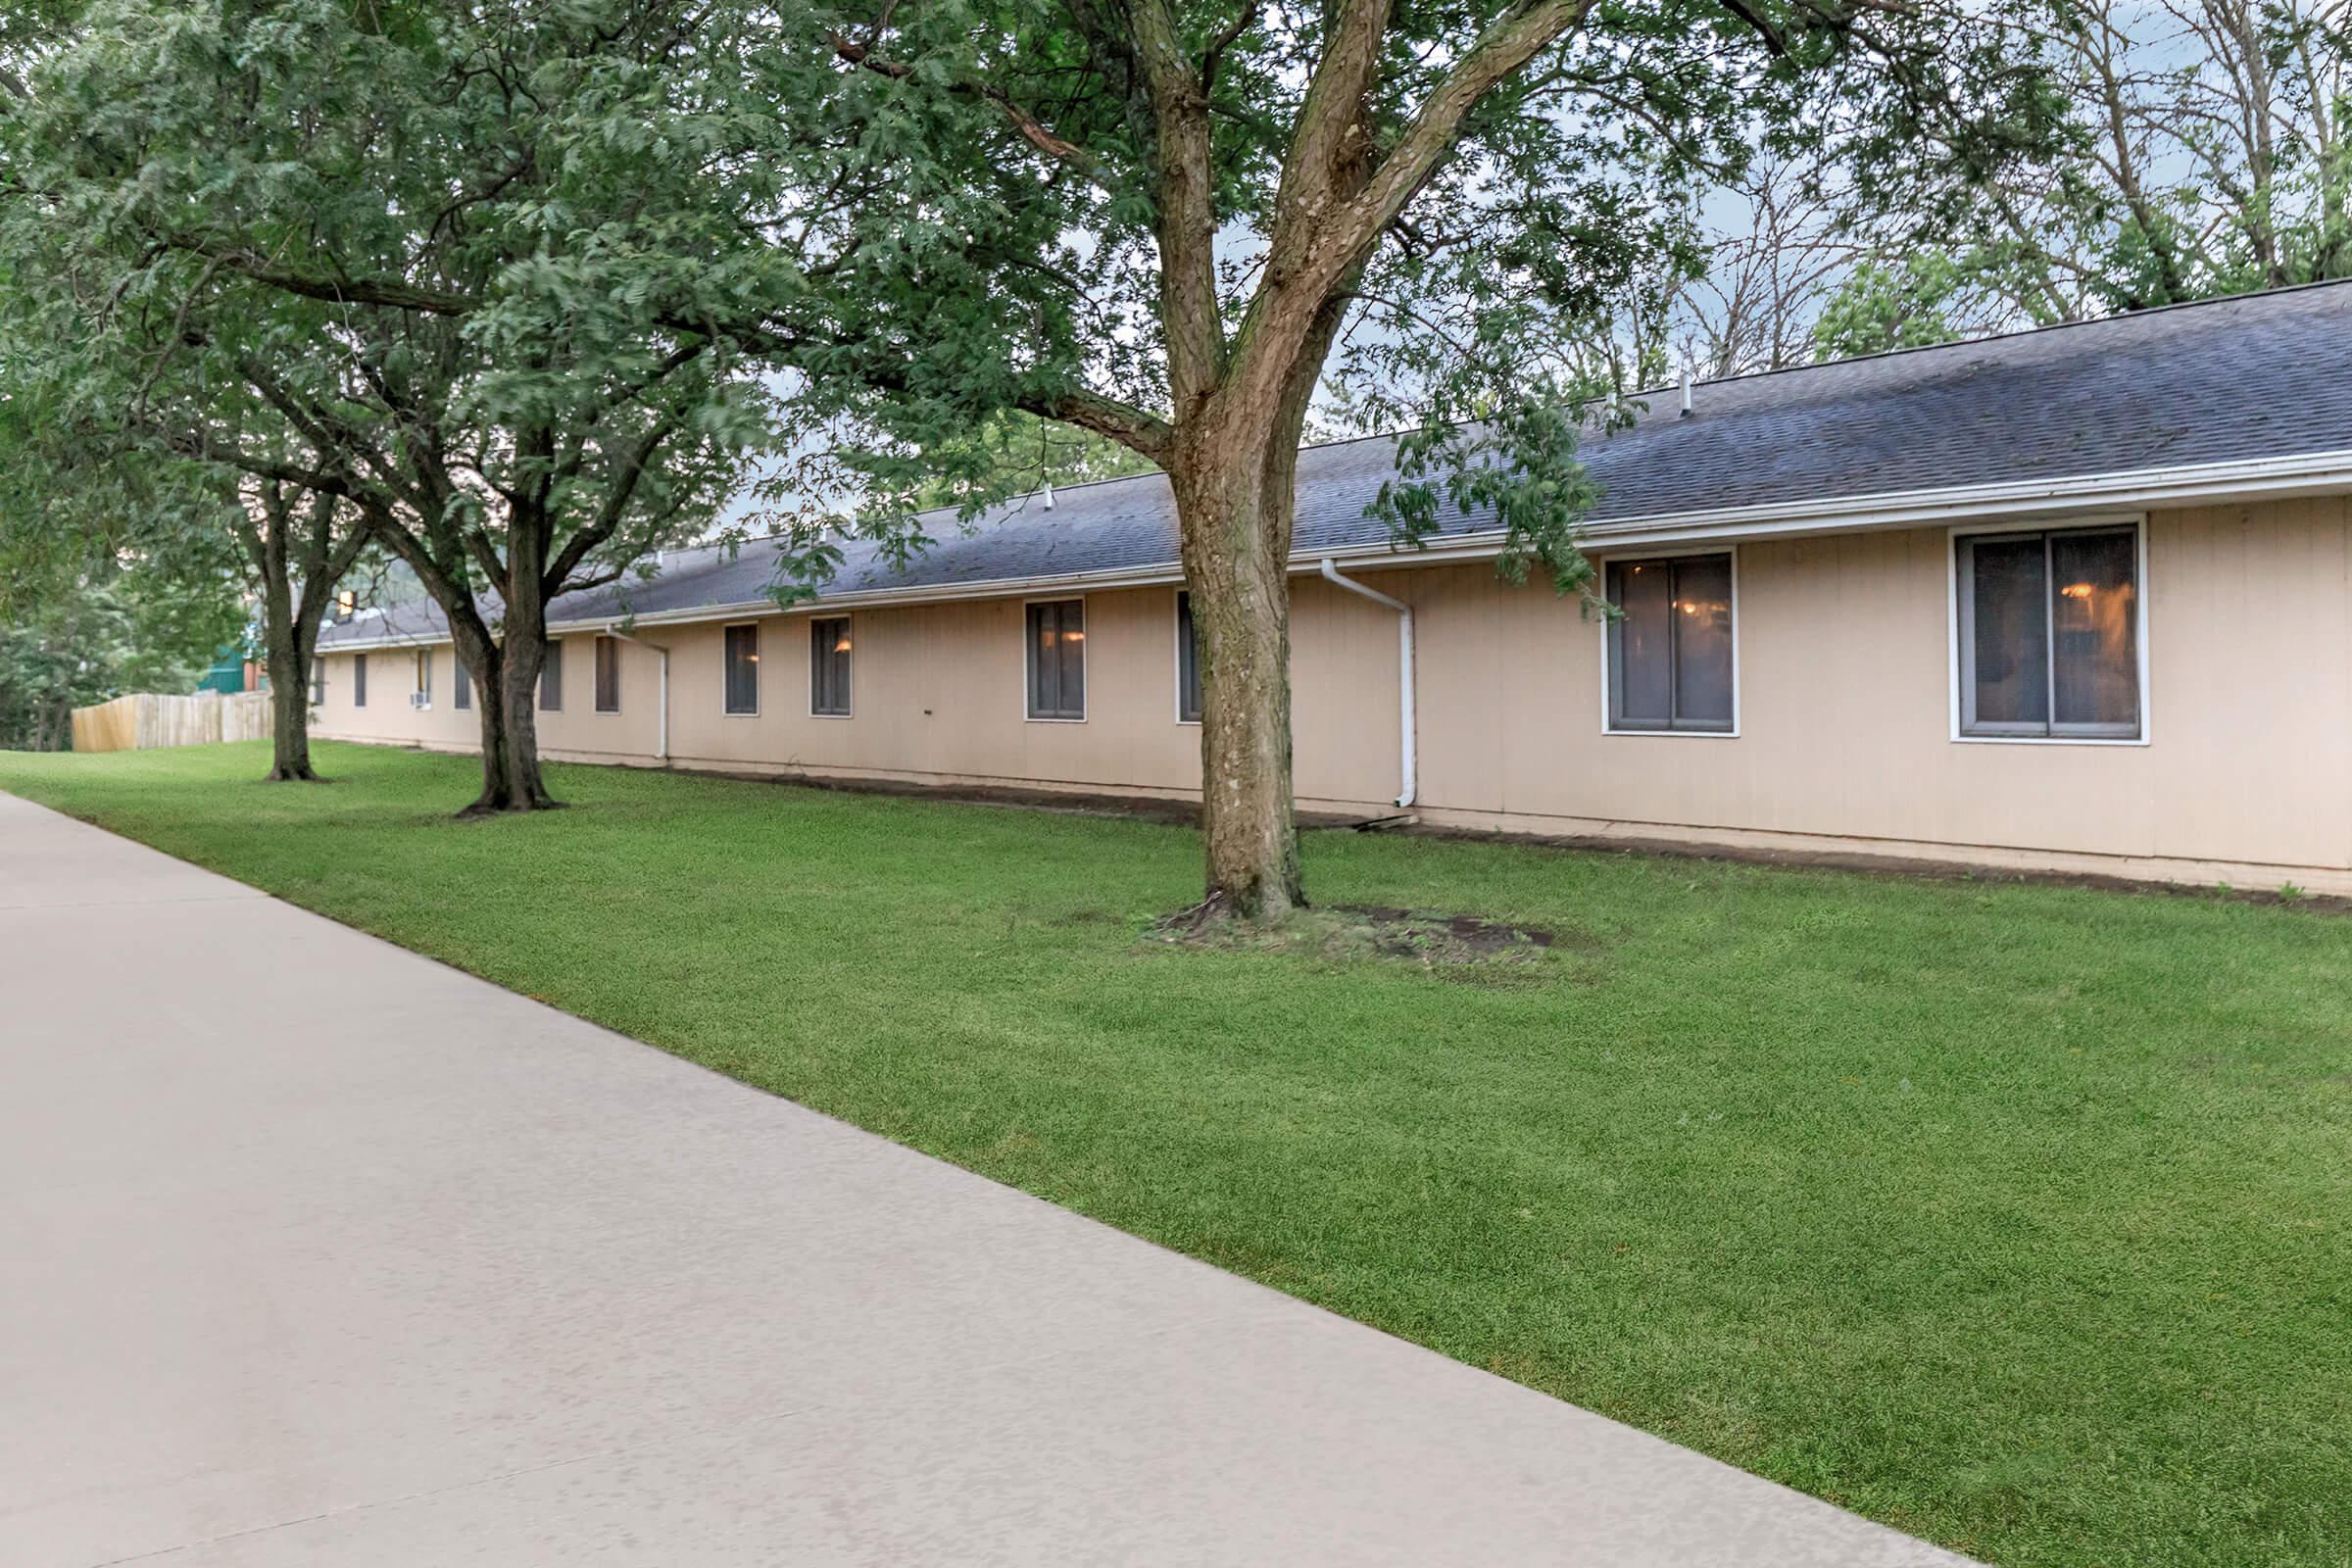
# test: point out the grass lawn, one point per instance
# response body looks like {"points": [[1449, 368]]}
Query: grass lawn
{"points": [[2018, 1217]]}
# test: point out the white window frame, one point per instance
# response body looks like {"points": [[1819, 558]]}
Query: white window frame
{"points": [[759, 685], [2137, 522], [808, 695], [422, 676], [1085, 667], [1175, 648], [1600, 567]]}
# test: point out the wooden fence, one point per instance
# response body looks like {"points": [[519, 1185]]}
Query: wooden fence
{"points": [[146, 719]]}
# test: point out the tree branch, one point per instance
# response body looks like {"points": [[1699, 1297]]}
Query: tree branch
{"points": [[1031, 129], [390, 295]]}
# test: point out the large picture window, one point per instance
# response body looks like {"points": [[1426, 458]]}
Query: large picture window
{"points": [[1188, 663], [743, 669], [1671, 645], [2049, 634], [1057, 660], [829, 668]]}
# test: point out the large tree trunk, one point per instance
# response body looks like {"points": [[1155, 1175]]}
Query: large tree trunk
{"points": [[282, 648], [1233, 505], [522, 655], [1234, 467], [503, 679], [290, 713], [289, 684]]}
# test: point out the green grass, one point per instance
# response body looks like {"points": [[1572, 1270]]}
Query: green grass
{"points": [[2013, 1216]]}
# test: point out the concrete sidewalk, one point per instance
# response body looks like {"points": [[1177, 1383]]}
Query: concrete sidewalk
{"points": [[314, 1251]]}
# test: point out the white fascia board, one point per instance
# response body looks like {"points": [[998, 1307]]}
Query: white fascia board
{"points": [[2261, 478]]}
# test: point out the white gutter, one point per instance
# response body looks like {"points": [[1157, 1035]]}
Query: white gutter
{"points": [[2304, 473], [1404, 673], [661, 753]]}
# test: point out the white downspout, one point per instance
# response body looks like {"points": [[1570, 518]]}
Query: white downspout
{"points": [[662, 755], [1405, 671]]}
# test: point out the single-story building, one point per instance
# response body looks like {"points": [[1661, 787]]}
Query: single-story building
{"points": [[2071, 600]]}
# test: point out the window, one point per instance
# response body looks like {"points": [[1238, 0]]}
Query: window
{"points": [[461, 682], [359, 680], [318, 681], [424, 677], [608, 674], [1057, 660], [1188, 663], [2049, 634], [551, 679], [743, 669], [1670, 645], [829, 668]]}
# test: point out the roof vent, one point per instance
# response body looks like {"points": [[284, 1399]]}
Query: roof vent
{"points": [[1686, 391], [1049, 495]]}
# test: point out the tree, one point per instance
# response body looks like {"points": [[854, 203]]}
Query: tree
{"points": [[90, 491], [1779, 253], [297, 544], [112, 577], [1882, 304], [114, 627], [1167, 224], [1015, 452], [2207, 156], [446, 271]]}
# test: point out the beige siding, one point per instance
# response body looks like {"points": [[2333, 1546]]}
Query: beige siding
{"points": [[1844, 678]]}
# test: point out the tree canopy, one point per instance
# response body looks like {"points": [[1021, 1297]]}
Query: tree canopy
{"points": [[451, 266], [1169, 223]]}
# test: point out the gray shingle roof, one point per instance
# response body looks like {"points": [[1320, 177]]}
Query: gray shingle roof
{"points": [[2259, 375]]}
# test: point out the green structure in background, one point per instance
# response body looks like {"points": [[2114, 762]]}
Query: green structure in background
{"points": [[227, 674]]}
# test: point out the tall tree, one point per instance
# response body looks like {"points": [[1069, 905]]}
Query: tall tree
{"points": [[297, 545], [2207, 155], [1167, 222], [448, 268]]}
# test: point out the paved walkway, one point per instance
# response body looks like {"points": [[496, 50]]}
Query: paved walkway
{"points": [[314, 1251]]}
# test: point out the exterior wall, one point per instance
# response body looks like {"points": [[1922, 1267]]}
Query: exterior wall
{"points": [[1845, 678], [1845, 737]]}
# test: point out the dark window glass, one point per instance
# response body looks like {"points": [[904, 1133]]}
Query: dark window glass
{"points": [[551, 680], [829, 667], [1188, 663], [2094, 632], [359, 680], [317, 682], [2049, 634], [460, 681], [608, 674], [1670, 647], [743, 669], [2009, 634], [1057, 660]]}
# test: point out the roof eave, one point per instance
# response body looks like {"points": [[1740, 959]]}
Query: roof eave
{"points": [[2263, 478]]}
